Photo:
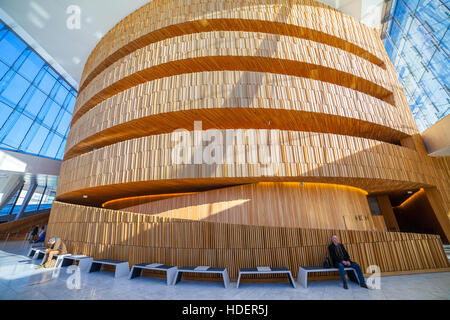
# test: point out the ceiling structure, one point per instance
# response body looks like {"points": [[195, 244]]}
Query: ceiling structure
{"points": [[51, 26]]}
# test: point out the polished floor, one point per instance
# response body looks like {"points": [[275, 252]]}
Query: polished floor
{"points": [[20, 281]]}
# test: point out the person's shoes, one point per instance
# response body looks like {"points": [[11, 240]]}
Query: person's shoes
{"points": [[50, 264], [345, 286], [40, 267], [363, 285]]}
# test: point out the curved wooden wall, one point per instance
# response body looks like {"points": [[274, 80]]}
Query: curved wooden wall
{"points": [[297, 78], [145, 165], [222, 98], [140, 238], [275, 204], [160, 20]]}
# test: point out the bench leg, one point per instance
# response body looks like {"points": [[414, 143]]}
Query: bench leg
{"points": [[85, 264], [59, 261], [178, 277], [41, 255], [135, 272], [356, 276], [95, 266], [122, 270], [35, 255], [226, 279], [66, 262], [171, 275], [239, 280], [302, 277], [291, 279]]}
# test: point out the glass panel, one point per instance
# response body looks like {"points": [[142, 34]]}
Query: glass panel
{"points": [[12, 47], [31, 66], [15, 90], [54, 144], [61, 95], [4, 114], [51, 114], [71, 104], [3, 69], [18, 132], [64, 124], [420, 36], [38, 140], [35, 103], [60, 154], [47, 83]]}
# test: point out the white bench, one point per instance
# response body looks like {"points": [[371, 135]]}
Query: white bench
{"points": [[122, 267], [262, 270], [84, 262], [304, 271], [203, 269], [39, 253], [59, 259], [171, 271], [35, 252]]}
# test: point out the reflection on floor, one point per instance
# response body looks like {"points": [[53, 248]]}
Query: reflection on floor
{"points": [[20, 280]]}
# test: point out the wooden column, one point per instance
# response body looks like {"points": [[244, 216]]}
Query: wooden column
{"points": [[436, 202], [388, 213]]}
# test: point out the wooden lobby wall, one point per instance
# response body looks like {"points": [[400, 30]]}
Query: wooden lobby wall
{"points": [[416, 215], [274, 204], [139, 238], [307, 80]]}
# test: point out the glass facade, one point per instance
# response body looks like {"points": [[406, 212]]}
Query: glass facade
{"points": [[36, 103], [417, 41], [36, 106], [42, 198]]}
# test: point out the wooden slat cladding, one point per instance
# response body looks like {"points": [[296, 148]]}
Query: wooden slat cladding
{"points": [[138, 238], [151, 108], [297, 156], [231, 50], [208, 25], [326, 111], [162, 19], [274, 204], [24, 225]]}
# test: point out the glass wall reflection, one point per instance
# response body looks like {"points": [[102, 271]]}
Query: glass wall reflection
{"points": [[36, 103], [417, 40]]}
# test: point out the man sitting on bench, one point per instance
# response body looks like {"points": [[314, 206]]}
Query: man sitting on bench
{"points": [[341, 260], [56, 247]]}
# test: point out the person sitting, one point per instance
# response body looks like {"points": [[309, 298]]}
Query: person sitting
{"points": [[341, 260], [57, 246], [41, 235], [34, 233]]}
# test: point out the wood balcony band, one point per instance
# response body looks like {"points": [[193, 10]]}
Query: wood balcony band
{"points": [[208, 25]]}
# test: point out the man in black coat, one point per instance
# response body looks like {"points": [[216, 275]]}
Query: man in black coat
{"points": [[341, 260]]}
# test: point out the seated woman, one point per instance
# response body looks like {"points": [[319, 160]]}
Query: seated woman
{"points": [[56, 247]]}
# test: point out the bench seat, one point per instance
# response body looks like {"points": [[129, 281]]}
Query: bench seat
{"points": [[122, 267], [136, 271], [272, 270], [84, 262], [203, 269], [303, 272]]}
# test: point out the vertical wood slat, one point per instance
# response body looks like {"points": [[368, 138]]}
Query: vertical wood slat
{"points": [[177, 242]]}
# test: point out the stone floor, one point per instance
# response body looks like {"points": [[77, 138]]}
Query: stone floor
{"points": [[20, 281]]}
